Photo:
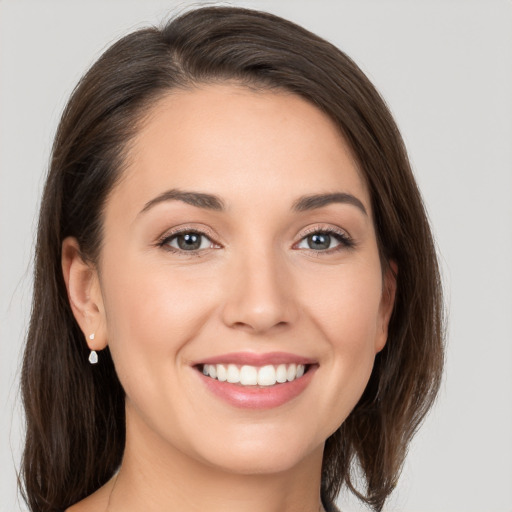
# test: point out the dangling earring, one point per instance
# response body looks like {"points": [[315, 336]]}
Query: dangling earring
{"points": [[93, 357]]}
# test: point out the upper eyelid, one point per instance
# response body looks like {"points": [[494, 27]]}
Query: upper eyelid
{"points": [[188, 229], [326, 228]]}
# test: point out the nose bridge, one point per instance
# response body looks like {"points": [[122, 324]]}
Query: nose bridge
{"points": [[259, 295]]}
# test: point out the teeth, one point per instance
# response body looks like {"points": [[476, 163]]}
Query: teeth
{"points": [[281, 373], [222, 373], [233, 374], [291, 372], [267, 375], [248, 375]]}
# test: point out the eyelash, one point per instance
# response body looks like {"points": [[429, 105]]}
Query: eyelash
{"points": [[345, 241]]}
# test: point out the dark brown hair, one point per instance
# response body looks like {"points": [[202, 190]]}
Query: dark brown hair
{"points": [[75, 412]]}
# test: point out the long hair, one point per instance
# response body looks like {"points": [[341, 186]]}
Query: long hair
{"points": [[74, 415]]}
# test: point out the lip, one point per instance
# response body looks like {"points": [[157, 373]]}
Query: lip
{"points": [[255, 359], [257, 397]]}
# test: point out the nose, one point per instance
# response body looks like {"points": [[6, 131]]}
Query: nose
{"points": [[259, 293]]}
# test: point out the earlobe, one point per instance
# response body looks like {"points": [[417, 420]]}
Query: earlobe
{"points": [[84, 294], [386, 305]]}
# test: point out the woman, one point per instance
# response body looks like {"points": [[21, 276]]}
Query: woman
{"points": [[236, 296]]}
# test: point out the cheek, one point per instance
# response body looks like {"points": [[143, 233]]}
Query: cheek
{"points": [[150, 316], [347, 310], [348, 316]]}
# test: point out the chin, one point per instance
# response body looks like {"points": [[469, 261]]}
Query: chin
{"points": [[258, 464], [262, 455]]}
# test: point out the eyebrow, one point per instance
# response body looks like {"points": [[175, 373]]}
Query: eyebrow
{"points": [[315, 201], [199, 199], [213, 202]]}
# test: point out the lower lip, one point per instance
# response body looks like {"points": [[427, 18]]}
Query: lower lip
{"points": [[258, 397]]}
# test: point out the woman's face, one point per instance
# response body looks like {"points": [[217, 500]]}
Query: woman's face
{"points": [[241, 235]]}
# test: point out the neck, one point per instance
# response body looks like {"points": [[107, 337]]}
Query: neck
{"points": [[155, 477]]}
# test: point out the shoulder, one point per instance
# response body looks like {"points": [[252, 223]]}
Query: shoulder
{"points": [[88, 505], [96, 502]]}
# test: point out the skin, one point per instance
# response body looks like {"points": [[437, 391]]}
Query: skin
{"points": [[257, 286]]}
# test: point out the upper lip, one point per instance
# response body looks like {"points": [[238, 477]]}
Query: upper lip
{"points": [[256, 359]]}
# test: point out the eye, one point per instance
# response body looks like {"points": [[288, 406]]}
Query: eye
{"points": [[326, 240], [187, 240]]}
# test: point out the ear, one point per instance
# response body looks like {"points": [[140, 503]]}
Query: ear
{"points": [[386, 305], [84, 294]]}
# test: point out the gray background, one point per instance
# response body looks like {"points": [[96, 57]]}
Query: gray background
{"points": [[445, 69]]}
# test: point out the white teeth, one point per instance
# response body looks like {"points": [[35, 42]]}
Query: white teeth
{"points": [[267, 375], [281, 373], [248, 375], [212, 371], [233, 374], [222, 373], [291, 373]]}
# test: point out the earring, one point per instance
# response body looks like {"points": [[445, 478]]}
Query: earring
{"points": [[93, 357]]}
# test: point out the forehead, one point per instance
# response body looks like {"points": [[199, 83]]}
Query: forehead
{"points": [[243, 145]]}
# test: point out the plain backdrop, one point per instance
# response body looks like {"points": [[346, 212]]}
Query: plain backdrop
{"points": [[445, 69]]}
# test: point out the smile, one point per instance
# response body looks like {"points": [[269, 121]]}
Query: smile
{"points": [[247, 375], [256, 381]]}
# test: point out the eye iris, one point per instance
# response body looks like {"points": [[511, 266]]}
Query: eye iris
{"points": [[319, 241], [189, 241]]}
